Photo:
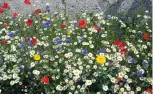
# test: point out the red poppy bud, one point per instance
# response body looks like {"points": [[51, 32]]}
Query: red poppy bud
{"points": [[29, 22], [118, 79], [63, 26], [1, 10], [146, 36], [15, 14], [45, 80], [5, 5], [116, 42], [27, 2], [82, 23], [149, 90]]}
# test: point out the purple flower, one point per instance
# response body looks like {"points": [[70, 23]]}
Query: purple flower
{"points": [[123, 18], [81, 38], [139, 73], [21, 67], [17, 31], [1, 61], [85, 52], [40, 51], [58, 41], [11, 34], [139, 33], [101, 51], [68, 40], [47, 24], [132, 60], [144, 63], [47, 9], [108, 17], [22, 45], [58, 49], [118, 33]]}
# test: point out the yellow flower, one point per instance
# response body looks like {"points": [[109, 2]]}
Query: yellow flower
{"points": [[36, 57], [69, 32], [101, 59]]}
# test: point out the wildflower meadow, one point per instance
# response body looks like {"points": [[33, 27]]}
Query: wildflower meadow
{"points": [[49, 52]]}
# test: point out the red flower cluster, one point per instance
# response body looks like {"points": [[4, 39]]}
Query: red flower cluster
{"points": [[121, 46], [82, 23], [34, 41], [4, 41], [63, 26], [4, 25], [28, 2], [29, 22], [1, 10], [37, 11], [149, 90], [5, 5], [15, 14], [97, 27], [146, 36], [45, 80]]}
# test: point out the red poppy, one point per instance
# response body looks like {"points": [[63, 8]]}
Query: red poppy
{"points": [[15, 14], [99, 29], [37, 11], [34, 41], [1, 10], [118, 79], [146, 36], [4, 42], [82, 23], [63, 26], [149, 90], [29, 22], [121, 44], [22, 86], [5, 5], [27, 2], [4, 25], [45, 80], [116, 42], [123, 51]]}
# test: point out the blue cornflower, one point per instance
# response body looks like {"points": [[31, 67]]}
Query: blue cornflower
{"points": [[85, 52], [108, 17], [101, 51], [68, 40], [139, 73], [11, 34], [118, 33], [40, 51], [29, 44], [81, 38], [58, 49], [1, 61], [17, 31], [123, 18], [139, 33], [132, 60], [21, 67], [47, 24], [144, 63], [22, 45], [48, 9], [58, 41]]}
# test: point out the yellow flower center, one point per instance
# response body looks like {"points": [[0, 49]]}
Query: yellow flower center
{"points": [[37, 57], [101, 59]]}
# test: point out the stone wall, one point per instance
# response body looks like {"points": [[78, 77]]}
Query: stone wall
{"points": [[74, 6]]}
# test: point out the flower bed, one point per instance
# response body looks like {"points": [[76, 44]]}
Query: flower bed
{"points": [[50, 53]]}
